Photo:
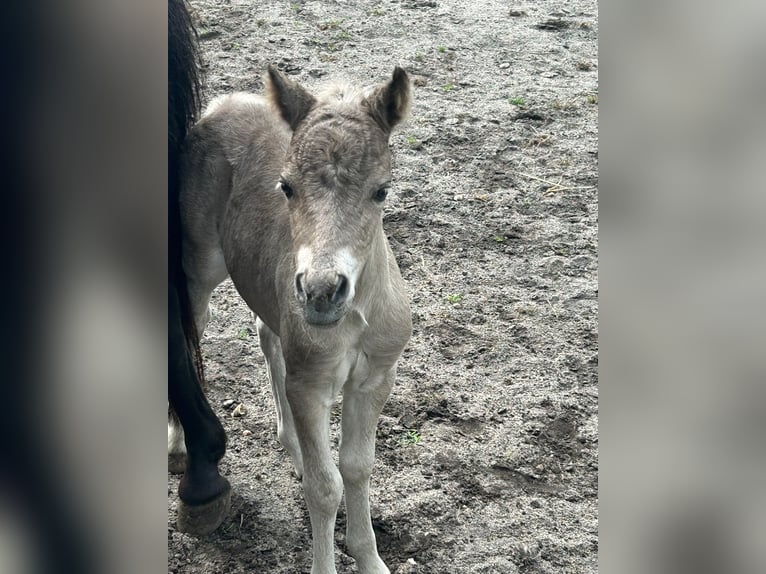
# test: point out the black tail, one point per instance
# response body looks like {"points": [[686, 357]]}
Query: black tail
{"points": [[183, 109]]}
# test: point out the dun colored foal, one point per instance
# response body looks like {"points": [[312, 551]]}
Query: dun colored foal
{"points": [[285, 194]]}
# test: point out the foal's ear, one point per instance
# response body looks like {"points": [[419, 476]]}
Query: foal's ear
{"points": [[389, 103], [289, 97]]}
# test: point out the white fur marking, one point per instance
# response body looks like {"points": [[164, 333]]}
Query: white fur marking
{"points": [[349, 266]]}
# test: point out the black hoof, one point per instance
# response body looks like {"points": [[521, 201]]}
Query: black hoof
{"points": [[203, 518], [176, 463]]}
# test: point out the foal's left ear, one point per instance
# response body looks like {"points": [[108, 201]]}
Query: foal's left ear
{"points": [[389, 103], [289, 97]]}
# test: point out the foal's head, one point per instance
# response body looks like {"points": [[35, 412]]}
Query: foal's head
{"points": [[335, 178]]}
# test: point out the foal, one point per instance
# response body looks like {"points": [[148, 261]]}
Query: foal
{"points": [[289, 204]]}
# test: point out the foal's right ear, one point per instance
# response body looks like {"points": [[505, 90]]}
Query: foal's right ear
{"points": [[289, 97]]}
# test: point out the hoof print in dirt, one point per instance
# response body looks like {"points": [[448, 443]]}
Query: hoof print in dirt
{"points": [[530, 115], [419, 4], [553, 24]]}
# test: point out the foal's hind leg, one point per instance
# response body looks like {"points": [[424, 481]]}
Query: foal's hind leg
{"points": [[275, 363], [176, 445], [362, 405]]}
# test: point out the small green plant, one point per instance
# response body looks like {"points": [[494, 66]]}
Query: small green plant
{"points": [[243, 334], [499, 238], [563, 105], [342, 35], [454, 298], [448, 87], [592, 99], [411, 140], [377, 12], [411, 438], [526, 309], [294, 6], [330, 24], [518, 101], [441, 49]]}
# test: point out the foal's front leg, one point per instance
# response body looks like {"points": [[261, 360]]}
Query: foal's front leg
{"points": [[310, 400], [362, 405]]}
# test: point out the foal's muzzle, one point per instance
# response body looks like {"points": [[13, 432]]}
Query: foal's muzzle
{"points": [[323, 297]]}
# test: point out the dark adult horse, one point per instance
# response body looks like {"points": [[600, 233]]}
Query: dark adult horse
{"points": [[203, 492]]}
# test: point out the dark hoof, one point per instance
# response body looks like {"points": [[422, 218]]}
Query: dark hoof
{"points": [[204, 518], [176, 463]]}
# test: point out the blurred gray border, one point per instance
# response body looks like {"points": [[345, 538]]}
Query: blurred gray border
{"points": [[683, 292]]}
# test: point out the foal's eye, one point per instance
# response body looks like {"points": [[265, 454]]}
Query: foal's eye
{"points": [[381, 194], [286, 189]]}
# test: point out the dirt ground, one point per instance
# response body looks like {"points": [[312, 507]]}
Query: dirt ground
{"points": [[487, 453]]}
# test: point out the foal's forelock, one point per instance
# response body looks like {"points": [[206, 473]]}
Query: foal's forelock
{"points": [[343, 148]]}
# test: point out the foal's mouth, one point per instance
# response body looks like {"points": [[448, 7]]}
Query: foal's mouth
{"points": [[325, 319]]}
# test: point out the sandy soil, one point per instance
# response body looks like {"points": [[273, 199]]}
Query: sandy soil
{"points": [[487, 454]]}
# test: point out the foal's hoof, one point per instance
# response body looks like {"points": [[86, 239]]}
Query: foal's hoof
{"points": [[177, 462], [203, 518]]}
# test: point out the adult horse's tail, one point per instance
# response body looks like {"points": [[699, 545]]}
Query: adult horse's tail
{"points": [[183, 109]]}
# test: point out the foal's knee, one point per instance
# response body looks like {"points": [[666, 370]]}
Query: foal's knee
{"points": [[355, 467], [323, 490]]}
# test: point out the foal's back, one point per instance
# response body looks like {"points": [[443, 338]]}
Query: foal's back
{"points": [[232, 161], [239, 137]]}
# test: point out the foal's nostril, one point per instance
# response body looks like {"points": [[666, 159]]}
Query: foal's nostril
{"points": [[341, 290], [299, 290]]}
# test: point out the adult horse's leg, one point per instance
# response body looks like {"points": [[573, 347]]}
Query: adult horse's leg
{"points": [[275, 363], [362, 406], [204, 494]]}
